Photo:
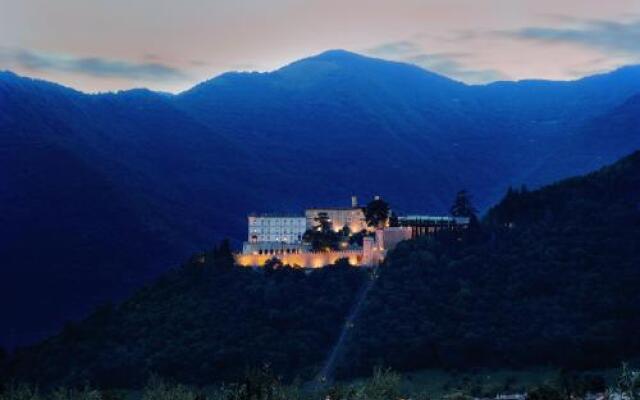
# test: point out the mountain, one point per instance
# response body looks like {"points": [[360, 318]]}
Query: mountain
{"points": [[205, 322], [106, 191], [553, 281], [550, 279]]}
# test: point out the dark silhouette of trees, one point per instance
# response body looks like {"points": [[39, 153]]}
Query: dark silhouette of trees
{"points": [[345, 232], [321, 240], [273, 264], [322, 237], [202, 324], [223, 255], [376, 213], [323, 222], [393, 219], [462, 206], [568, 268]]}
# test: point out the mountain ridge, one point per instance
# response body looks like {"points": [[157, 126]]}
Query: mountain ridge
{"points": [[187, 168], [341, 55]]}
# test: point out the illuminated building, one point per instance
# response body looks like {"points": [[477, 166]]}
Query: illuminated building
{"points": [[269, 233], [281, 236], [353, 216]]}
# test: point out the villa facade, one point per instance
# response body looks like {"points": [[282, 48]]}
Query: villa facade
{"points": [[281, 236]]}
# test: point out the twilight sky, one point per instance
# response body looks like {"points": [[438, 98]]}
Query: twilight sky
{"points": [[99, 45]]}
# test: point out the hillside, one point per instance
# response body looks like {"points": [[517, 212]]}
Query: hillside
{"points": [[557, 288], [201, 323], [550, 280], [115, 188]]}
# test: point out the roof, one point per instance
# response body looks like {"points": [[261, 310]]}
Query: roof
{"points": [[334, 208], [434, 218], [276, 215]]}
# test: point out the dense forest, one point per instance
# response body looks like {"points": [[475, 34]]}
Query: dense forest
{"points": [[547, 277], [552, 279], [207, 321]]}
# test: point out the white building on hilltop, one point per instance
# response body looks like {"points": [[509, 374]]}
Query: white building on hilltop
{"points": [[281, 236], [276, 228]]}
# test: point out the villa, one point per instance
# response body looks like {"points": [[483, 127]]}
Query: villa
{"points": [[281, 236]]}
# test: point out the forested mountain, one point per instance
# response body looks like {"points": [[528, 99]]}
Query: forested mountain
{"points": [[549, 278], [205, 322], [552, 280], [100, 192]]}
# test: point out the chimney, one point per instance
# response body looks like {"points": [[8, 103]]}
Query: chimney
{"points": [[354, 201]]}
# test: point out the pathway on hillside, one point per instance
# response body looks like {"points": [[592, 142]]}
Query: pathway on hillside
{"points": [[325, 376]]}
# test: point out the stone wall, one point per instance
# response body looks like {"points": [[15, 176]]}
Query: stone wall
{"points": [[304, 260]]}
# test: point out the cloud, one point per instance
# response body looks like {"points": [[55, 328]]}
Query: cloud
{"points": [[610, 37], [393, 49], [91, 66], [451, 64], [448, 64]]}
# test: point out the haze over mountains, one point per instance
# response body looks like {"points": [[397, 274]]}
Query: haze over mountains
{"points": [[101, 192]]}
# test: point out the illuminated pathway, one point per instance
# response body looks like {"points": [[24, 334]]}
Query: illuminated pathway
{"points": [[325, 376]]}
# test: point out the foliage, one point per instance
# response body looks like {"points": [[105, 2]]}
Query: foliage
{"points": [[376, 213], [75, 394], [570, 383], [383, 385], [357, 238], [545, 392], [554, 283], [20, 392], [557, 288], [323, 222], [157, 389], [628, 384], [462, 206], [204, 322], [322, 236], [321, 240], [261, 384]]}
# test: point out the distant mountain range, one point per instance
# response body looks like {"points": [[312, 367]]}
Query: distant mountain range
{"points": [[99, 193]]}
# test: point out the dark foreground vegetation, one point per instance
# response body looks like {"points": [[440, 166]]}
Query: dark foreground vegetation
{"points": [[549, 277], [262, 384]]}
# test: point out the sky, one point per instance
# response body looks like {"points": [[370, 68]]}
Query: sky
{"points": [[170, 45]]}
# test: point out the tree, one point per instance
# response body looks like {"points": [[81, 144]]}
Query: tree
{"points": [[322, 236], [223, 255], [3, 358], [545, 392], [342, 263], [393, 219], [376, 213], [323, 222], [320, 239], [273, 264], [462, 206], [345, 232], [628, 385]]}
